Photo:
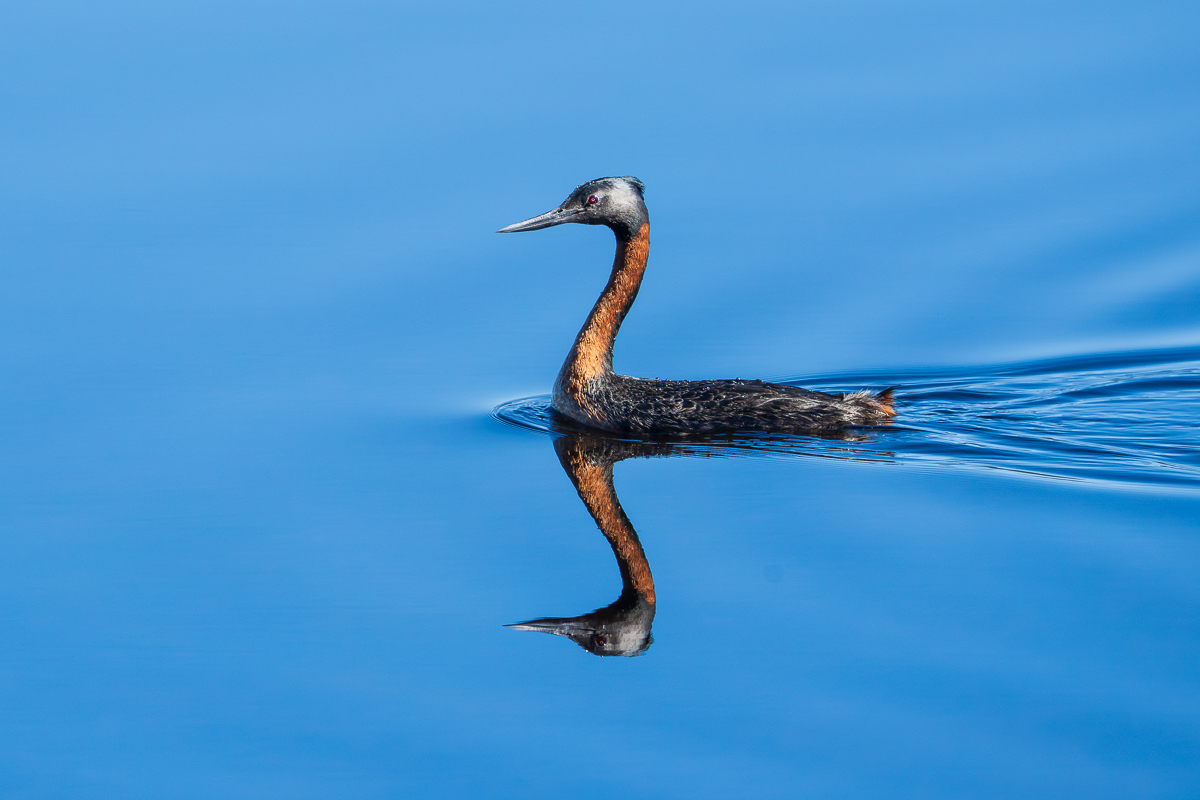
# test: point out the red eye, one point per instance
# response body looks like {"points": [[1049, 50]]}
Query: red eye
{"points": [[592, 200]]}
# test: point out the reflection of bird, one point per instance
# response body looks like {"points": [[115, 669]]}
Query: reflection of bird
{"points": [[622, 628], [588, 391]]}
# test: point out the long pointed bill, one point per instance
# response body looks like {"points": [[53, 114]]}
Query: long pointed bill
{"points": [[559, 626], [556, 217]]}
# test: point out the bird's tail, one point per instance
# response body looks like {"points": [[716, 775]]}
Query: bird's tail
{"points": [[874, 403], [886, 401]]}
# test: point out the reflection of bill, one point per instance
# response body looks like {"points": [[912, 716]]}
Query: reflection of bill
{"points": [[622, 628]]}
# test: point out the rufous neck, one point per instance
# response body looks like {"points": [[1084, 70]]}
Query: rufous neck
{"points": [[591, 357], [593, 479]]}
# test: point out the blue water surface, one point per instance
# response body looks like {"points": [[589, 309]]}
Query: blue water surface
{"points": [[278, 464]]}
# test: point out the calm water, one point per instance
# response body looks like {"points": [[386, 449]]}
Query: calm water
{"points": [[278, 466]]}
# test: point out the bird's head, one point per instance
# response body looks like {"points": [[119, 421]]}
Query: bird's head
{"points": [[615, 202]]}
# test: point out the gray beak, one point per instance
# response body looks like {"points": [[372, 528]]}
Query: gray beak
{"points": [[557, 625], [558, 216]]}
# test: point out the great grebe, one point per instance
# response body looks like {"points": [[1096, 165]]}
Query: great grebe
{"points": [[588, 391]]}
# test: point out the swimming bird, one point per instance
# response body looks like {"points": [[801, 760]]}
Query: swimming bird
{"points": [[589, 392]]}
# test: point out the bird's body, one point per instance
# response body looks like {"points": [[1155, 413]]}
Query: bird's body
{"points": [[623, 404], [590, 392]]}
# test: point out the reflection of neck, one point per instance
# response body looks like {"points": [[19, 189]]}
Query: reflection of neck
{"points": [[592, 474], [591, 357]]}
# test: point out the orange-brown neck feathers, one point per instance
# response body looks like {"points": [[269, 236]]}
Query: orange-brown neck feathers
{"points": [[592, 354], [594, 482]]}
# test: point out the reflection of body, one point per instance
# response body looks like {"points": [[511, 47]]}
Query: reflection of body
{"points": [[589, 392], [622, 628]]}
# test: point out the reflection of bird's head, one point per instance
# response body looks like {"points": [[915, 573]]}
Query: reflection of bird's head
{"points": [[621, 629]]}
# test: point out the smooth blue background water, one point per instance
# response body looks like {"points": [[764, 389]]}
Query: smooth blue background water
{"points": [[260, 530]]}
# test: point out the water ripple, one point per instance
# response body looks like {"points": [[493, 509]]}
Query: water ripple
{"points": [[1119, 417]]}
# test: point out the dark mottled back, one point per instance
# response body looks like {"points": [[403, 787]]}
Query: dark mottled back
{"points": [[649, 407]]}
